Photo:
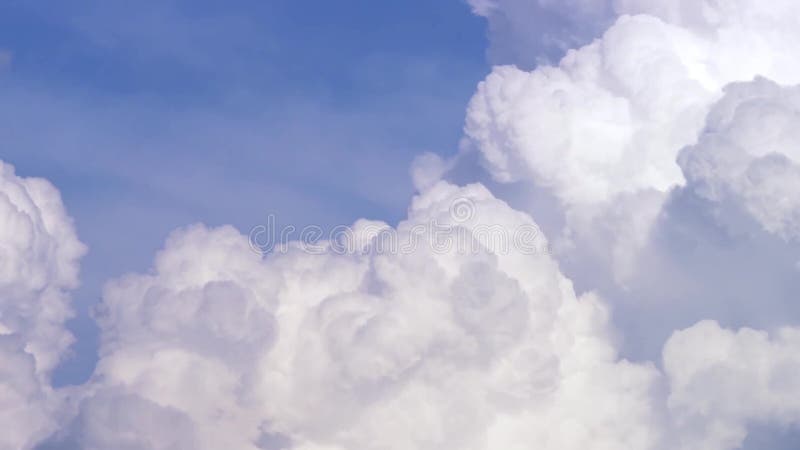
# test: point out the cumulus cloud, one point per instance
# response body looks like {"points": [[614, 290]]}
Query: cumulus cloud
{"points": [[604, 131], [723, 246], [26, 405], [39, 255], [396, 350], [612, 116], [678, 188], [676, 172], [219, 347], [748, 154], [723, 380]]}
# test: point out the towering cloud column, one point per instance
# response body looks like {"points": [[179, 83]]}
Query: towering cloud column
{"points": [[39, 256]]}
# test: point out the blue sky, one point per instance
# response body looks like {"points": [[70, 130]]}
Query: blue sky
{"points": [[152, 115]]}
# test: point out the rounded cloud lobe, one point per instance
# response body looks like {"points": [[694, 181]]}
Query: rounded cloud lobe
{"points": [[748, 154], [668, 162]]}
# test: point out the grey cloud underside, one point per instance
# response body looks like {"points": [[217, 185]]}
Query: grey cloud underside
{"points": [[676, 174]]}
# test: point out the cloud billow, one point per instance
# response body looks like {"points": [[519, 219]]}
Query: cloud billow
{"points": [[220, 346]]}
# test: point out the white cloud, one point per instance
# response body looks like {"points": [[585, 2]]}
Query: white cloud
{"points": [[612, 116], [39, 255], [421, 350], [26, 404], [220, 347], [678, 187], [723, 381], [602, 130], [748, 156]]}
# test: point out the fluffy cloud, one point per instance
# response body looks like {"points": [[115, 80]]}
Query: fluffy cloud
{"points": [[605, 130], [528, 33], [678, 189], [612, 116], [724, 380], [219, 347], [748, 156], [39, 255], [667, 259], [418, 349], [677, 176]]}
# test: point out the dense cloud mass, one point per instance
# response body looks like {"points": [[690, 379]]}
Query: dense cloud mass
{"points": [[662, 151], [612, 116], [39, 255], [748, 156], [723, 380], [368, 350], [218, 347], [663, 316]]}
